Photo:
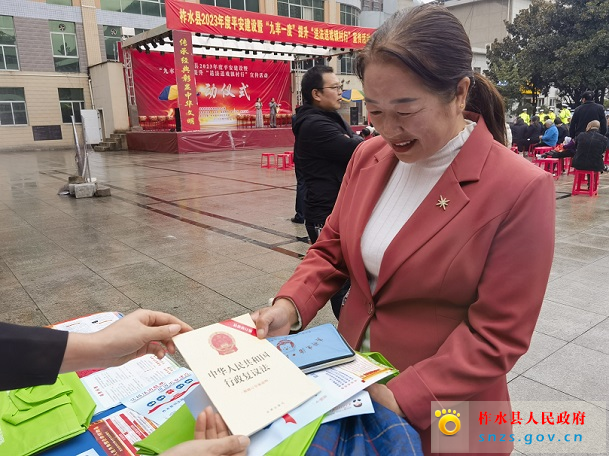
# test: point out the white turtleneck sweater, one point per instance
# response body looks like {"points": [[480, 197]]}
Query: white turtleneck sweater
{"points": [[407, 187]]}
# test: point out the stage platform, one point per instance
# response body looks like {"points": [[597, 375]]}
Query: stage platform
{"points": [[210, 141]]}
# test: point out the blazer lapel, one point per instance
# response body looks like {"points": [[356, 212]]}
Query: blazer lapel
{"points": [[369, 187], [430, 217]]}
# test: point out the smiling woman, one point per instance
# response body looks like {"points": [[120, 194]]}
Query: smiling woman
{"points": [[431, 219]]}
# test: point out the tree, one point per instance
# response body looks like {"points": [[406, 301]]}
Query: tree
{"points": [[561, 44]]}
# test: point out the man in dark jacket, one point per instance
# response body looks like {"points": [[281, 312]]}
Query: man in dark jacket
{"points": [[324, 145], [519, 131], [534, 131], [591, 147], [585, 113]]}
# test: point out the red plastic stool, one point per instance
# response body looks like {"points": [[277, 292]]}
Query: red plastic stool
{"points": [[514, 148], [566, 165], [291, 154], [606, 158], [531, 152], [285, 162], [585, 177], [551, 165], [268, 164]]}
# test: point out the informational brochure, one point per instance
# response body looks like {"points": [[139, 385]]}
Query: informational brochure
{"points": [[110, 386], [117, 432], [90, 323], [360, 404], [338, 384], [159, 400], [249, 381]]}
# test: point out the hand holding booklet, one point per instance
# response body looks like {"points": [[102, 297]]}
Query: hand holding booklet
{"points": [[250, 383], [315, 349]]}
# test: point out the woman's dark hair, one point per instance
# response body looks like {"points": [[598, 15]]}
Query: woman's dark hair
{"points": [[431, 42]]}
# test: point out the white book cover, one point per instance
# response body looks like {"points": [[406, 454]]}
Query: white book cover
{"points": [[248, 380]]}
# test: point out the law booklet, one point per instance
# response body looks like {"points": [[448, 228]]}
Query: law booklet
{"points": [[316, 348], [249, 382]]}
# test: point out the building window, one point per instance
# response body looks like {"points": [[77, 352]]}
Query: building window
{"points": [[65, 50], [247, 5], [60, 2], [112, 35], [71, 101], [312, 10], [372, 5], [349, 15], [146, 7], [346, 64], [12, 106], [302, 65], [8, 44]]}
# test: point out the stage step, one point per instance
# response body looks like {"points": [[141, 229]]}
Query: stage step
{"points": [[117, 141]]}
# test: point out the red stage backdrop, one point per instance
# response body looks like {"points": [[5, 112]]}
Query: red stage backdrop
{"points": [[213, 20], [224, 88]]}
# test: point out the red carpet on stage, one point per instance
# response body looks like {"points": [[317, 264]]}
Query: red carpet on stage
{"points": [[209, 141]]}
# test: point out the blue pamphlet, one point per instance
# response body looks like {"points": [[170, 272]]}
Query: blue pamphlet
{"points": [[315, 349]]}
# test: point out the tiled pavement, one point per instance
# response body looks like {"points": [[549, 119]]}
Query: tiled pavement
{"points": [[208, 236]]}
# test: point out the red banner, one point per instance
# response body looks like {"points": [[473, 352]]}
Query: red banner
{"points": [[185, 71], [213, 20], [224, 88]]}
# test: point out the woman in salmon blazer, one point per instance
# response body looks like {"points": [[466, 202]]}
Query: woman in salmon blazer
{"points": [[446, 235]]}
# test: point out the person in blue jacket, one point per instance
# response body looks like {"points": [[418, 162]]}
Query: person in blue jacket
{"points": [[550, 136]]}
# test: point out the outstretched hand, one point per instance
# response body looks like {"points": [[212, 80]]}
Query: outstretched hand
{"points": [[137, 334], [275, 320], [212, 438]]}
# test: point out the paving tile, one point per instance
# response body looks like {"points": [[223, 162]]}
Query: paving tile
{"points": [[525, 389], [29, 315], [564, 321], [596, 338], [562, 267], [221, 274], [271, 262], [580, 293], [14, 298], [574, 370], [203, 307], [578, 252], [142, 272], [251, 293], [100, 259], [541, 347], [193, 261]]}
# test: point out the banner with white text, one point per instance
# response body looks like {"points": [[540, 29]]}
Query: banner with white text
{"points": [[224, 88]]}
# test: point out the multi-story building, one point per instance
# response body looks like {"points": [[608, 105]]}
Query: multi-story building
{"points": [[60, 56]]}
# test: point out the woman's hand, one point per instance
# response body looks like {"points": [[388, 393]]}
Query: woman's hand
{"points": [[211, 439], [275, 320], [139, 333], [384, 396]]}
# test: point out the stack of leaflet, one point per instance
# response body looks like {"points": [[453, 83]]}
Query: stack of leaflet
{"points": [[339, 376]]}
